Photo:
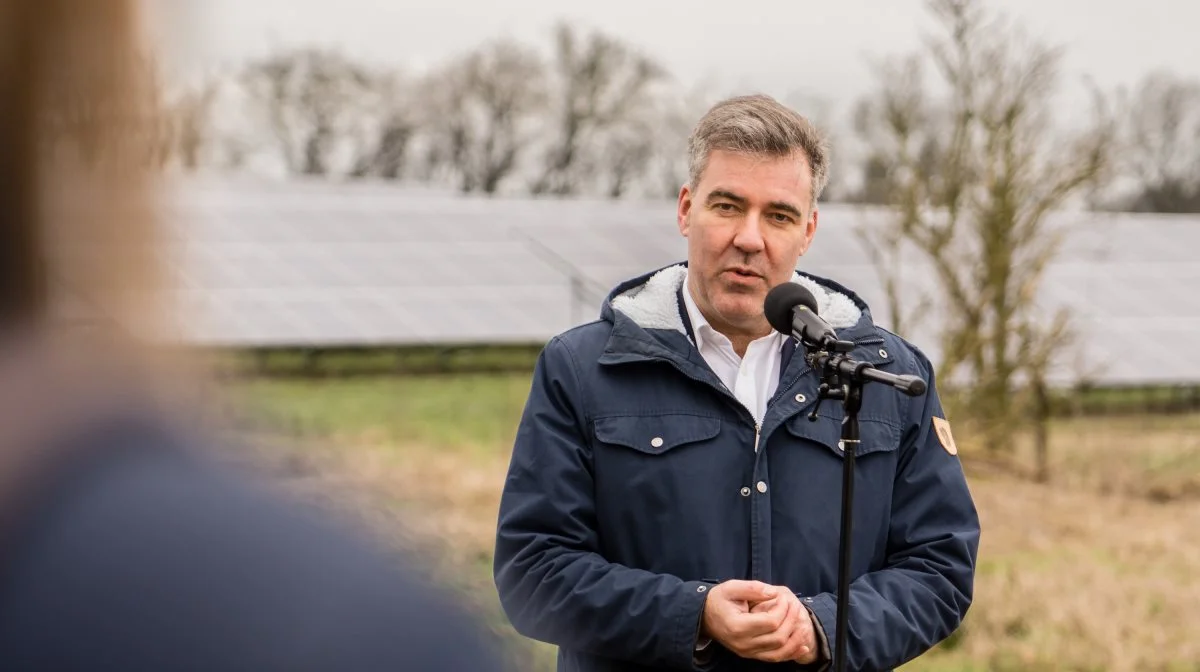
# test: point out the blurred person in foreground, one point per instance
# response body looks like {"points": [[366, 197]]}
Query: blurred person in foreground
{"points": [[125, 545], [669, 505]]}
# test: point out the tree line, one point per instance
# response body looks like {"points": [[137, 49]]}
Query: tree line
{"points": [[596, 116]]}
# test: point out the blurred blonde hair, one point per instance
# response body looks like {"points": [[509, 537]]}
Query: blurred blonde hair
{"points": [[80, 244], [79, 135]]}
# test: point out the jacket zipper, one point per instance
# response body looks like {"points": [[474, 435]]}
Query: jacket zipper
{"points": [[757, 434]]}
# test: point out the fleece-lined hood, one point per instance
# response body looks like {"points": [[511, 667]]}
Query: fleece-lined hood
{"points": [[649, 302]]}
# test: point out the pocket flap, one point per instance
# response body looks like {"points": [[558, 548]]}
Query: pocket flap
{"points": [[874, 435], [655, 434]]}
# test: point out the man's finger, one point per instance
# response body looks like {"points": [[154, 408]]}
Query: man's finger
{"points": [[748, 591], [747, 626], [798, 645], [774, 640], [787, 625], [803, 640]]}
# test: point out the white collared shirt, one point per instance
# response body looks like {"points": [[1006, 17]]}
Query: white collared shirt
{"points": [[753, 378]]}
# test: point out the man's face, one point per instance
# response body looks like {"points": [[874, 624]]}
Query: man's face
{"points": [[747, 223]]}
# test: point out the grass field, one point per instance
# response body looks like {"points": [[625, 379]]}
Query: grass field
{"points": [[1095, 571]]}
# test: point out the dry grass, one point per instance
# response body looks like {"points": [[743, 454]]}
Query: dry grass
{"points": [[1087, 574], [1070, 580]]}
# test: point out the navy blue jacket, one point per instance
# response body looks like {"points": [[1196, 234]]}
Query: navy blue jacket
{"points": [[637, 480]]}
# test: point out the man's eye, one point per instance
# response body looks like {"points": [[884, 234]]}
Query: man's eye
{"points": [[782, 218]]}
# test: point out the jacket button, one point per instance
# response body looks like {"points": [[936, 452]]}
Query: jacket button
{"points": [[762, 486], [656, 442], [701, 589], [883, 353], [745, 492], [800, 398]]}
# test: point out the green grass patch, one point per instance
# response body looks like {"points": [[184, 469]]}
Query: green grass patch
{"points": [[463, 411], [299, 362]]}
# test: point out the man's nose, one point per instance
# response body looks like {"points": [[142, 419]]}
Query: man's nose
{"points": [[749, 236]]}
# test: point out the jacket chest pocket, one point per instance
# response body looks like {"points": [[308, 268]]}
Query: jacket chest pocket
{"points": [[659, 460], [656, 434], [876, 436], [812, 458]]}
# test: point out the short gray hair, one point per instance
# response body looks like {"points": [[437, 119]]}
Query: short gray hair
{"points": [[758, 125]]}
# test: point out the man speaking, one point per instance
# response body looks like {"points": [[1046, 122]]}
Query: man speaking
{"points": [[669, 504]]}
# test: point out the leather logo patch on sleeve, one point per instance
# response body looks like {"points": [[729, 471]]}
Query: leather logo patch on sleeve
{"points": [[942, 428]]}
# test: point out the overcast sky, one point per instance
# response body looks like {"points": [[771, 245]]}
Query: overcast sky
{"points": [[782, 47]]}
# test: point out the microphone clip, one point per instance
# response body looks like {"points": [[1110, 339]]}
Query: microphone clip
{"points": [[830, 361], [826, 392]]}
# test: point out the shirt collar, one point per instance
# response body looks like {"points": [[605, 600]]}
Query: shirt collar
{"points": [[700, 326]]}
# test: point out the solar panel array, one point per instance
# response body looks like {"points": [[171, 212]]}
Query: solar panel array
{"points": [[317, 267], [324, 264]]}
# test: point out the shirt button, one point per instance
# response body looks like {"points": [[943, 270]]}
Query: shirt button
{"points": [[656, 442], [745, 492], [762, 486]]}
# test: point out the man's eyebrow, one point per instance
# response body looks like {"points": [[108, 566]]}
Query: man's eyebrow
{"points": [[727, 195], [786, 207]]}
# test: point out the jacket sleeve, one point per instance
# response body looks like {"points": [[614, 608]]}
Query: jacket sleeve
{"points": [[922, 594], [553, 582]]}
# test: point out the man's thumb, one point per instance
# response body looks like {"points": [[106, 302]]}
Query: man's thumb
{"points": [[750, 591]]}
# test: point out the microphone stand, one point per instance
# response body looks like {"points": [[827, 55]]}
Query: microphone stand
{"points": [[842, 379]]}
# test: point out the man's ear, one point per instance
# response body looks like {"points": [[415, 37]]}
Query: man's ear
{"points": [[684, 207], [810, 231]]}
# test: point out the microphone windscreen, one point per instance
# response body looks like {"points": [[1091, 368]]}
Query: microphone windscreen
{"points": [[782, 300]]}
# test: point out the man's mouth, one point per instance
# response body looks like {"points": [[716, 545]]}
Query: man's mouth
{"points": [[744, 273]]}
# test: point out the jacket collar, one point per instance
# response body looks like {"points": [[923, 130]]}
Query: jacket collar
{"points": [[648, 322]]}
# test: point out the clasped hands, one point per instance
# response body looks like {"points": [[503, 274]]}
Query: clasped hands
{"points": [[756, 620]]}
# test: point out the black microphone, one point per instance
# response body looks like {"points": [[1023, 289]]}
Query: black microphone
{"points": [[792, 310]]}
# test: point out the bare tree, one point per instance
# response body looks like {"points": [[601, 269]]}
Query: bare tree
{"points": [[1161, 152], [189, 114], [389, 138], [677, 113], [480, 111], [886, 249], [310, 101], [601, 83], [621, 156], [901, 128], [972, 177]]}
